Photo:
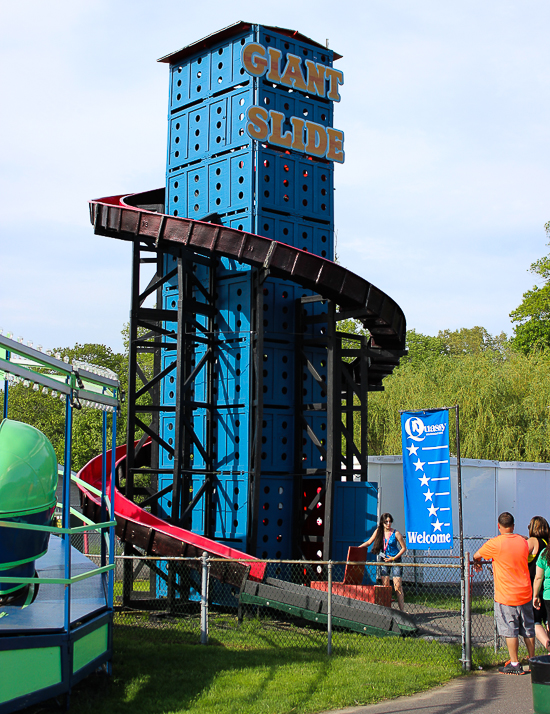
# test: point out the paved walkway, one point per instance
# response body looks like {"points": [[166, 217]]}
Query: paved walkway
{"points": [[479, 693], [445, 625]]}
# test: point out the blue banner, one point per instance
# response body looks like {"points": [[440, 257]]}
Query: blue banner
{"points": [[427, 480]]}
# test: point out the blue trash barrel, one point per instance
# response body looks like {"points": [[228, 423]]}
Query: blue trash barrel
{"points": [[540, 681]]}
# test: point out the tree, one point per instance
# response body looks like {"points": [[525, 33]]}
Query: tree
{"points": [[473, 340], [503, 402], [532, 316], [422, 348]]}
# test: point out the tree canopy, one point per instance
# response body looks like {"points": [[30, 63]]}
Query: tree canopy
{"points": [[532, 316]]}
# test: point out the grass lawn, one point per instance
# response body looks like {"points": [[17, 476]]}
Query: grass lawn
{"points": [[153, 676]]}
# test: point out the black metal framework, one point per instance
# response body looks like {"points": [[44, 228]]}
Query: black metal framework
{"points": [[348, 359], [178, 330], [344, 449]]}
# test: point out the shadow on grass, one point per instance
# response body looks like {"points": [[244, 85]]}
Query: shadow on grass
{"points": [[156, 677], [261, 668]]}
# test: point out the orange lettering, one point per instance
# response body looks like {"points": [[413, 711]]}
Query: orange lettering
{"points": [[316, 139], [315, 78], [257, 127], [277, 137], [335, 151], [292, 76], [274, 60], [254, 59], [298, 134]]}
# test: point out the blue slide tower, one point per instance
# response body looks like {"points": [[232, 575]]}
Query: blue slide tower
{"points": [[258, 404]]}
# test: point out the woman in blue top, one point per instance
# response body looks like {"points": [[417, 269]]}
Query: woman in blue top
{"points": [[388, 546]]}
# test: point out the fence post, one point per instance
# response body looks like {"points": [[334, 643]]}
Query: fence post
{"points": [[204, 599], [467, 661], [329, 609]]}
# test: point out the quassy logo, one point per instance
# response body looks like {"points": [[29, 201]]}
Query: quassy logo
{"points": [[417, 430]]}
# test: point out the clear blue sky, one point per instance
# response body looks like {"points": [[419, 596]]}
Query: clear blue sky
{"points": [[441, 202]]}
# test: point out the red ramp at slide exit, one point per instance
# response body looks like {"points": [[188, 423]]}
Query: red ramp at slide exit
{"points": [[157, 537]]}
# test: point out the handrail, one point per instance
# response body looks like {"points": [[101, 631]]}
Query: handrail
{"points": [[55, 529], [58, 581]]}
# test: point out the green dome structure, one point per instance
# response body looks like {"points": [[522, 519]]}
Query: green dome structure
{"points": [[28, 483], [28, 470]]}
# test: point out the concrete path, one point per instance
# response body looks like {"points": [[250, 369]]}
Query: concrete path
{"points": [[479, 693]]}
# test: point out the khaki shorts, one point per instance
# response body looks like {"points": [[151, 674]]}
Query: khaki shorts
{"points": [[515, 620]]}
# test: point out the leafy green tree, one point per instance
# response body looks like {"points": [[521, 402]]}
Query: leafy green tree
{"points": [[471, 341], [532, 316], [503, 398], [422, 348]]}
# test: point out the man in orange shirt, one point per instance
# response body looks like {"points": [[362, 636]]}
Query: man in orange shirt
{"points": [[513, 592]]}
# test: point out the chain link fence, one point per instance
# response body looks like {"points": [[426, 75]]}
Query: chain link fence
{"points": [[330, 606]]}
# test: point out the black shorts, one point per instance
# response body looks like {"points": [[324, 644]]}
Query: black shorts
{"points": [[541, 615]]}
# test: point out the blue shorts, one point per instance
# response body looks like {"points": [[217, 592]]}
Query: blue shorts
{"points": [[396, 570]]}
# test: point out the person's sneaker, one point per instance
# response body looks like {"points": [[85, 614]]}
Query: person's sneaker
{"points": [[511, 669]]}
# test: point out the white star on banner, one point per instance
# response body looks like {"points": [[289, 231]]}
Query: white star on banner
{"points": [[437, 525], [428, 495], [424, 480], [412, 449], [418, 465], [433, 510]]}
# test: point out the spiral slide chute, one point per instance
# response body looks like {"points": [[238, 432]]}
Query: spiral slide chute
{"points": [[159, 538], [140, 217]]}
